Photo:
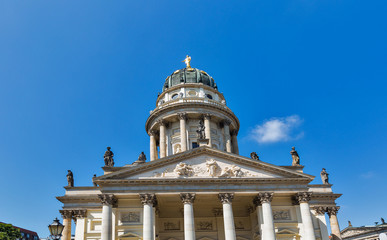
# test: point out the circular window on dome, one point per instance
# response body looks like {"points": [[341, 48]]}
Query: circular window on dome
{"points": [[192, 93], [174, 96], [208, 96]]}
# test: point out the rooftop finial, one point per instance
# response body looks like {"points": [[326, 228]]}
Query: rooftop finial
{"points": [[187, 61]]}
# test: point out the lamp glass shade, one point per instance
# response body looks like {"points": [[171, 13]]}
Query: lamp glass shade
{"points": [[56, 228]]}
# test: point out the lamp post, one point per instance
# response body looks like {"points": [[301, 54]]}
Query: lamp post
{"points": [[56, 229]]}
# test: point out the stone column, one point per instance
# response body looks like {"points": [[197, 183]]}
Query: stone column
{"points": [[189, 222], [153, 147], [335, 229], [303, 199], [207, 130], [107, 200], [227, 137], [268, 230], [148, 201], [66, 215], [163, 143], [183, 134], [320, 215], [228, 217], [235, 147], [80, 215]]}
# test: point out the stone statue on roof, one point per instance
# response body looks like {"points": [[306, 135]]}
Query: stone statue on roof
{"points": [[108, 158], [70, 178], [324, 176], [295, 157]]}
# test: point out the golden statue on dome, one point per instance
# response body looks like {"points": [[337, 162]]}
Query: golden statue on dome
{"points": [[187, 61]]}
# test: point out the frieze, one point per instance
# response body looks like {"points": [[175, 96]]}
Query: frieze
{"points": [[130, 217], [172, 225], [281, 215], [204, 225]]}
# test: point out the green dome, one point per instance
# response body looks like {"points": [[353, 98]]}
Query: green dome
{"points": [[189, 75]]}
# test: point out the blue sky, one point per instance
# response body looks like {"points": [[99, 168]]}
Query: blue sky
{"points": [[77, 76]]}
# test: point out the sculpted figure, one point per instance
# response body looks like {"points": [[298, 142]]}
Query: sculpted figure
{"points": [[70, 178], [108, 157], [142, 157], [178, 148], [236, 171], [200, 131], [212, 166], [226, 172], [295, 157], [254, 156], [324, 176], [183, 169]]}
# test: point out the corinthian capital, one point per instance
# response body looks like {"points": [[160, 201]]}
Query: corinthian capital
{"points": [[161, 122], [207, 116], [187, 197], [182, 116], [303, 197], [226, 122], [264, 197], [107, 199], [148, 198], [226, 197], [152, 133], [80, 213], [320, 210], [66, 214], [332, 210]]}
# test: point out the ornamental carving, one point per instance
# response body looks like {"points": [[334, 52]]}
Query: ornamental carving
{"points": [[107, 199], [264, 197], [303, 197], [80, 213], [226, 197], [204, 225], [161, 122], [130, 217], [207, 116], [226, 122], [187, 197], [172, 225], [183, 170], [182, 116], [152, 133], [332, 210], [218, 212], [233, 171], [148, 198], [281, 215], [66, 214], [320, 210], [212, 167]]}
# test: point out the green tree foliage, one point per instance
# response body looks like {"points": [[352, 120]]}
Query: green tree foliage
{"points": [[8, 232]]}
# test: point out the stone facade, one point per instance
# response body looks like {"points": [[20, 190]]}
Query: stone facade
{"points": [[198, 188]]}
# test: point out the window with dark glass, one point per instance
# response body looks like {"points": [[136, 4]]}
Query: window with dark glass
{"points": [[208, 96], [195, 145]]}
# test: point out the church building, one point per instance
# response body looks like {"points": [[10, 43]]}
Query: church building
{"points": [[196, 186]]}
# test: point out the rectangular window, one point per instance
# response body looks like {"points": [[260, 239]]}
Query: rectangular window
{"points": [[195, 145]]}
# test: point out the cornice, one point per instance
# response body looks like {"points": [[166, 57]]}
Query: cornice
{"points": [[79, 198]]}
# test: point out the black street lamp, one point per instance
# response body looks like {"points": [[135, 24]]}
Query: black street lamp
{"points": [[56, 229]]}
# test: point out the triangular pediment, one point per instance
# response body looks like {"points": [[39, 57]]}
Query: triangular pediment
{"points": [[203, 163]]}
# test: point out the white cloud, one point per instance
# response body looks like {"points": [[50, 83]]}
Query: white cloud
{"points": [[368, 175], [277, 130]]}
